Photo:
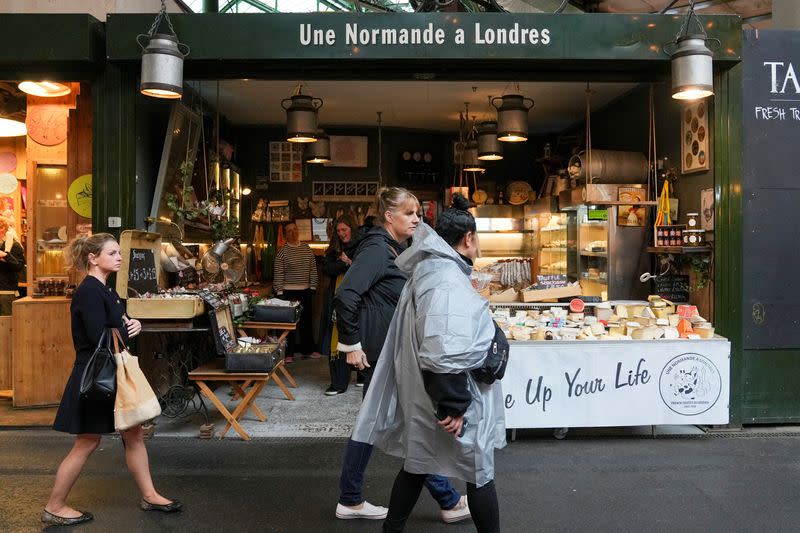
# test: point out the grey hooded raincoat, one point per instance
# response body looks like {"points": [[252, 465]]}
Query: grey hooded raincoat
{"points": [[440, 325]]}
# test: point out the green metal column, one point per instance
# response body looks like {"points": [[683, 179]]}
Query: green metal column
{"points": [[114, 148], [728, 171]]}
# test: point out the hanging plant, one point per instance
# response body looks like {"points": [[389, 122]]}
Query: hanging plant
{"points": [[700, 265], [183, 205]]}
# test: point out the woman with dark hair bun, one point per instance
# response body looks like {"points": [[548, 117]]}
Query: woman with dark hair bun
{"points": [[442, 330]]}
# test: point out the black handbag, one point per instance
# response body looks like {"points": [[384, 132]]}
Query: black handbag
{"points": [[99, 380], [494, 366]]}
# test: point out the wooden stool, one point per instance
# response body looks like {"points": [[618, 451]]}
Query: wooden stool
{"points": [[240, 382]]}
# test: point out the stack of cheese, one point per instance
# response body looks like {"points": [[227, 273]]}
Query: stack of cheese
{"points": [[658, 319]]}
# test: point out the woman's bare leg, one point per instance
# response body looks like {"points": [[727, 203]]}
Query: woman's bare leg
{"points": [[68, 473], [139, 465]]}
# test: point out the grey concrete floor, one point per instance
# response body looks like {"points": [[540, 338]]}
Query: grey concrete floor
{"points": [[744, 482]]}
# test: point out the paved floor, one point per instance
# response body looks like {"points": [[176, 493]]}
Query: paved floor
{"points": [[748, 482], [285, 480]]}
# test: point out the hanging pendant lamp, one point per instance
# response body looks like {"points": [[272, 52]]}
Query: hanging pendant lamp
{"points": [[470, 155], [489, 147], [162, 60], [691, 61], [301, 116], [12, 128], [512, 117], [320, 151], [46, 89], [692, 69]]}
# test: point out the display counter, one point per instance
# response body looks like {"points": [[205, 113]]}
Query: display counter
{"points": [[43, 354], [558, 384]]}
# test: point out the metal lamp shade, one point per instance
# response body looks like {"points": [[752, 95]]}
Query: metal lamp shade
{"points": [[162, 67], [512, 117], [692, 71], [489, 148], [319, 151], [301, 118], [12, 128], [470, 157]]}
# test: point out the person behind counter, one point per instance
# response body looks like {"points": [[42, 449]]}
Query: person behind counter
{"points": [[12, 262], [94, 308], [365, 303], [442, 329], [335, 264], [296, 279]]}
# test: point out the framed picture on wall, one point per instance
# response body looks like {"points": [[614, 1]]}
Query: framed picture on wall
{"points": [[707, 209], [348, 151], [694, 137], [285, 161]]}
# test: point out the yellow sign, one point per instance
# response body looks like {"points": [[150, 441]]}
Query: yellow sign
{"points": [[80, 195]]}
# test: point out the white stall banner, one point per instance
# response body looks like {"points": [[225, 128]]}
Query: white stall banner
{"points": [[626, 383]]}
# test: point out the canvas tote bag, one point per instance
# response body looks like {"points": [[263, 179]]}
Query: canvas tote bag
{"points": [[136, 402]]}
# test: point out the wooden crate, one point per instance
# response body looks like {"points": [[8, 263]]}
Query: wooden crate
{"points": [[551, 294], [164, 308]]}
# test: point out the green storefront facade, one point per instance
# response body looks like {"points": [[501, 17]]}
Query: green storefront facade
{"points": [[441, 46]]}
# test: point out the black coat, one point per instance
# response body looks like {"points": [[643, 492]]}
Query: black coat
{"points": [[366, 299], [94, 307], [10, 266]]}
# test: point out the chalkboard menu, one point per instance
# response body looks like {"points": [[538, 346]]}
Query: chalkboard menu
{"points": [[551, 281], [771, 121], [142, 271], [673, 288]]}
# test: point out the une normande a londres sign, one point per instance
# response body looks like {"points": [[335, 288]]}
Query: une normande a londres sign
{"points": [[478, 34]]}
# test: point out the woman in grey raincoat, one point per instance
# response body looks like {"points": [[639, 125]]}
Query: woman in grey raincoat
{"points": [[423, 395]]}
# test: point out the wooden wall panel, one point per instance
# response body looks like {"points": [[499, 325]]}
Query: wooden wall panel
{"points": [[5, 352], [43, 352]]}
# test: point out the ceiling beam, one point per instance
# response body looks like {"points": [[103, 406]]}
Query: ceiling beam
{"points": [[698, 6], [757, 18]]}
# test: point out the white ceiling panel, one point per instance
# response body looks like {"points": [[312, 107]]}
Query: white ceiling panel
{"points": [[429, 105]]}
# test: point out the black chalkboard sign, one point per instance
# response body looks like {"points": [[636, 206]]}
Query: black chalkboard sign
{"points": [[142, 271], [673, 288], [551, 281], [771, 121]]}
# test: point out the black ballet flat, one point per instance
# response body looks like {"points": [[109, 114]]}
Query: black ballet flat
{"points": [[55, 520], [173, 507]]}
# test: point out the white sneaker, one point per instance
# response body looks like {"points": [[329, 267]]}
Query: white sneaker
{"points": [[366, 510], [458, 513]]}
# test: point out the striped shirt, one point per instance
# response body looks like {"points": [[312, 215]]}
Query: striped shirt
{"points": [[295, 269]]}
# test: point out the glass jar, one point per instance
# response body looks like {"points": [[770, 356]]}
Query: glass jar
{"points": [[692, 220]]}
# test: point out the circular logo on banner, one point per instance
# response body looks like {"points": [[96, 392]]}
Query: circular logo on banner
{"points": [[79, 195], [690, 384]]}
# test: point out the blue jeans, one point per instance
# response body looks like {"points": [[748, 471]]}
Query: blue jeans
{"points": [[356, 458]]}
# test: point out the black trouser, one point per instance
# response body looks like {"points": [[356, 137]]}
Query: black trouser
{"points": [[341, 371], [482, 503], [302, 339]]}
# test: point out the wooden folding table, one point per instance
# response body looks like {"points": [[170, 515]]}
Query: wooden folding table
{"points": [[246, 385]]}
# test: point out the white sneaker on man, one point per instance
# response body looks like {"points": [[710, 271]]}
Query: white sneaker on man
{"points": [[458, 513], [366, 510]]}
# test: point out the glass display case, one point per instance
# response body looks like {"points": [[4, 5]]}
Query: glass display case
{"points": [[507, 242], [50, 221], [552, 242], [607, 258]]}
